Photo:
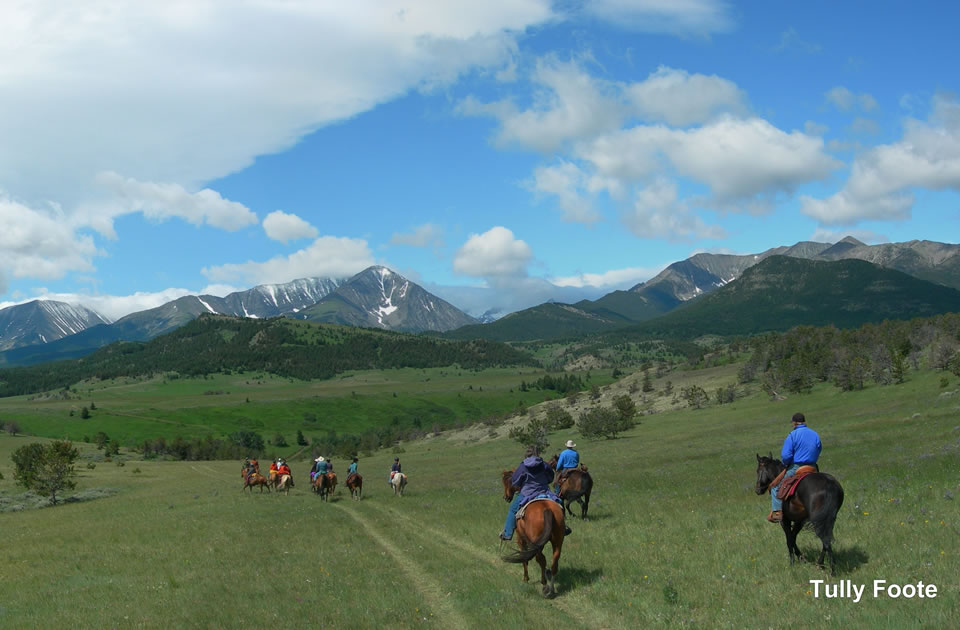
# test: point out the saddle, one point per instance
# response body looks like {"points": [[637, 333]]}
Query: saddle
{"points": [[542, 497], [789, 485]]}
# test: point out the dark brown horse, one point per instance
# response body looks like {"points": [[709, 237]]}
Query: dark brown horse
{"points": [[321, 485], [355, 484], [255, 479], [576, 484], [817, 499], [542, 522]]}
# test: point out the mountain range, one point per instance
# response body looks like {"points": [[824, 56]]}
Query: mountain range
{"points": [[378, 297]]}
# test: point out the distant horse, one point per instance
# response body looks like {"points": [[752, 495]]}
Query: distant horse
{"points": [[321, 485], [331, 483], [542, 522], [255, 479], [284, 483], [355, 484], [576, 485], [817, 499], [399, 482]]}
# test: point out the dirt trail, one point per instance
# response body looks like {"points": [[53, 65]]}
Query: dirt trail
{"points": [[430, 588], [585, 614]]}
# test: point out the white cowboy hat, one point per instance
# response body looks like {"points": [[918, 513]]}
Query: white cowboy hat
{"points": [[570, 444], [320, 459]]}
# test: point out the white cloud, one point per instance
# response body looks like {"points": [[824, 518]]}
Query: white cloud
{"points": [[326, 257], [737, 159], [679, 98], [881, 179], [36, 244], [865, 126], [426, 235], [283, 227], [162, 201], [867, 102], [845, 100], [570, 186], [812, 128], [495, 253], [658, 213], [791, 40], [697, 17], [614, 278]]}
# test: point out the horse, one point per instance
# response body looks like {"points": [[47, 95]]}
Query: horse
{"points": [[542, 522], [284, 483], [817, 499], [321, 485], [576, 485], [399, 482], [355, 484], [331, 483], [255, 479]]}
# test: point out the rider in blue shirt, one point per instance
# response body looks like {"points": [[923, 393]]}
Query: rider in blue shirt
{"points": [[568, 459], [801, 448]]}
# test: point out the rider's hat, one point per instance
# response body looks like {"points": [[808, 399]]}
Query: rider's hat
{"points": [[319, 459], [570, 444]]}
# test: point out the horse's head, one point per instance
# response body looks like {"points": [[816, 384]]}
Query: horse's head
{"points": [[508, 489], [553, 461], [767, 470]]}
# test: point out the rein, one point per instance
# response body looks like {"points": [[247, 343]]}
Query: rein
{"points": [[776, 480]]}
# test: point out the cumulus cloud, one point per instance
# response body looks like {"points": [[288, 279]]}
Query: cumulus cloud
{"points": [[845, 100], [612, 279], [326, 257], [571, 187], [159, 202], [283, 227], [37, 244], [426, 235], [678, 98], [696, 17], [495, 253], [658, 213], [882, 179]]}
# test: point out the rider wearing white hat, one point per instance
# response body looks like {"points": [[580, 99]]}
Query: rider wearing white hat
{"points": [[567, 460]]}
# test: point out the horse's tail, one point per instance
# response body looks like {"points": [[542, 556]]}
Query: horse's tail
{"points": [[825, 517], [524, 555]]}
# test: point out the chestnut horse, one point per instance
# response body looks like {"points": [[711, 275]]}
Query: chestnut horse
{"points": [[817, 498], [576, 485], [331, 483], [542, 522], [255, 479], [355, 484], [321, 485]]}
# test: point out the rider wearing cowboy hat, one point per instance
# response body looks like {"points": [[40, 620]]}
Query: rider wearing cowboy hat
{"points": [[568, 460], [319, 467]]}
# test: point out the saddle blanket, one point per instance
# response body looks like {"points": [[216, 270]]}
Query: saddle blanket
{"points": [[789, 485], [541, 497]]}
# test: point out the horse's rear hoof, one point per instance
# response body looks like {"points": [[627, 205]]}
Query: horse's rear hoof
{"points": [[547, 591]]}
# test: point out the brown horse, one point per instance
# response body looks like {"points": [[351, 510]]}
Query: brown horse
{"points": [[355, 484], [817, 499], [255, 479], [542, 522], [576, 484], [331, 483], [321, 485]]}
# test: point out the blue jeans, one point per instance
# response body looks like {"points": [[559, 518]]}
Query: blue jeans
{"points": [[511, 523], [775, 503]]}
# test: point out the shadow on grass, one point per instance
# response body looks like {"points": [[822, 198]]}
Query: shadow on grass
{"points": [[602, 515], [848, 559], [574, 578]]}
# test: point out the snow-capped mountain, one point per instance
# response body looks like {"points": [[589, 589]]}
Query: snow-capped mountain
{"points": [[43, 321], [380, 298]]}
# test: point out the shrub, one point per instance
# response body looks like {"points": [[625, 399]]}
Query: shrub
{"points": [[558, 418], [45, 469], [603, 422], [91, 465]]}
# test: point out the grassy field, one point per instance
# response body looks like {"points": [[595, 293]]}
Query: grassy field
{"points": [[677, 537], [132, 410]]}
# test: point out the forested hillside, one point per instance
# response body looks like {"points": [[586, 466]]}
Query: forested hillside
{"points": [[214, 343]]}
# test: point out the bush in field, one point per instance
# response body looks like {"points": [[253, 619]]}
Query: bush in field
{"points": [[605, 422], [12, 427], [534, 433], [279, 440], [45, 468], [558, 418]]}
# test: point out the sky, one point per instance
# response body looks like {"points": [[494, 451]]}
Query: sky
{"points": [[500, 154]]}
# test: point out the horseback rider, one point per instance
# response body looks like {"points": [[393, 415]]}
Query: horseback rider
{"points": [[569, 459], [394, 470], [800, 448], [352, 469], [283, 469], [249, 467], [273, 470], [533, 477], [319, 467]]}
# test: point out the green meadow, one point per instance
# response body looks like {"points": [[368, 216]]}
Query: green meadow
{"points": [[676, 537]]}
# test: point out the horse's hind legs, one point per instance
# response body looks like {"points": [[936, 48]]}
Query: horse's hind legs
{"points": [[548, 589]]}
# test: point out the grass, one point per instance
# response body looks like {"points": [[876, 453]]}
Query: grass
{"points": [[677, 537]]}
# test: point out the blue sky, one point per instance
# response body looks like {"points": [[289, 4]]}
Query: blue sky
{"points": [[500, 154]]}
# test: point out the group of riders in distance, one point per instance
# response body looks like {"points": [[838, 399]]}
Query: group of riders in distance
{"points": [[799, 493], [323, 480]]}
